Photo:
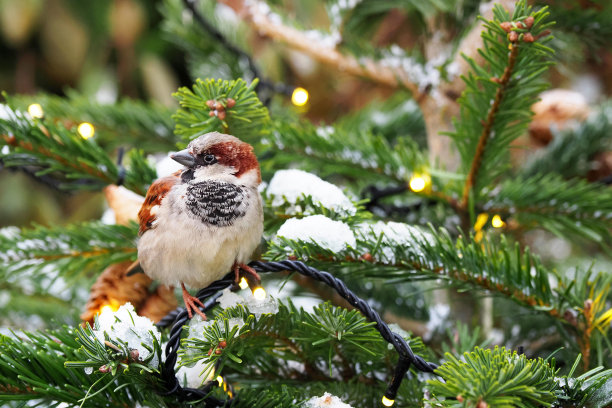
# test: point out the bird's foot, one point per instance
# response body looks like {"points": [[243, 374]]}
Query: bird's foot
{"points": [[191, 303], [247, 269]]}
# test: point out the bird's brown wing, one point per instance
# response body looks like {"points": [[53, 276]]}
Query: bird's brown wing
{"points": [[156, 193]]}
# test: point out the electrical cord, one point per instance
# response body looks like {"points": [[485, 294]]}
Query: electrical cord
{"points": [[209, 295]]}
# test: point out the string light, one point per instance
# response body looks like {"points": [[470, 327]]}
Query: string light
{"points": [[243, 283], [299, 97], [111, 306], [259, 293], [497, 221], [36, 111], [419, 182], [220, 380], [86, 130], [481, 221], [387, 402]]}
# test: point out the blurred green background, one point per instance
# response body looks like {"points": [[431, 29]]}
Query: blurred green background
{"points": [[109, 49]]}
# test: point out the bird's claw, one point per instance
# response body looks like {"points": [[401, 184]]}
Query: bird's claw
{"points": [[247, 269], [192, 303]]}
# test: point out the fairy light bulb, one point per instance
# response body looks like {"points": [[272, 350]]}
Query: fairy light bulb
{"points": [[36, 111], [106, 309], [419, 182], [243, 283], [259, 293], [219, 380], [497, 221], [86, 130], [299, 97], [387, 402], [111, 306], [481, 220]]}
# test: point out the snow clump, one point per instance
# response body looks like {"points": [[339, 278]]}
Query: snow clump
{"points": [[194, 377], [291, 185], [394, 234], [125, 327], [327, 400], [333, 235], [255, 306]]}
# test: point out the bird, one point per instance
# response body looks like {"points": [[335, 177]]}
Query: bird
{"points": [[205, 220]]}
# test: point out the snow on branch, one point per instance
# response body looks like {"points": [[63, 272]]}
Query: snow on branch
{"points": [[268, 24]]}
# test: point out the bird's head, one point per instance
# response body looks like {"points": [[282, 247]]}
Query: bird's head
{"points": [[219, 156]]}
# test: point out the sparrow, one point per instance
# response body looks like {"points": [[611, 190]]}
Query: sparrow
{"points": [[205, 220]]}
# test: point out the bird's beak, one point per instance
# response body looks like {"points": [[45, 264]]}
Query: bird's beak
{"points": [[184, 157]]}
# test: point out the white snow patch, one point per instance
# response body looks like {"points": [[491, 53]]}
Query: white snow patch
{"points": [[292, 185], [9, 232], [194, 377], [125, 327], [255, 306], [394, 234], [327, 400], [333, 235]]}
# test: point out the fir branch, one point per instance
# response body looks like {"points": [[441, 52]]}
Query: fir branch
{"points": [[588, 389], [71, 251], [144, 124], [206, 57], [257, 16], [495, 105], [32, 368], [264, 85], [487, 126], [268, 347], [499, 268], [81, 163], [571, 151], [360, 156], [562, 206], [222, 106], [518, 381]]}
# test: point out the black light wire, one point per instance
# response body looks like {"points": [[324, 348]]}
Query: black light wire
{"points": [[209, 295]]}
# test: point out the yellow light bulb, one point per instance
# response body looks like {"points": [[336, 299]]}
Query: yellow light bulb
{"points": [[36, 111], [497, 222], [110, 307], [299, 97], [387, 402], [106, 309], [259, 293], [419, 182], [243, 283], [219, 380], [86, 130], [481, 220]]}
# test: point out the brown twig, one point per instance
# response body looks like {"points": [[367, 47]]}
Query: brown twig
{"points": [[585, 341], [296, 39], [77, 165], [488, 125]]}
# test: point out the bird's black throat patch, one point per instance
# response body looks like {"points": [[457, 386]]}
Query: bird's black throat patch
{"points": [[217, 203]]}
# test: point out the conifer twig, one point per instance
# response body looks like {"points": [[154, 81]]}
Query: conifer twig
{"points": [[367, 68], [77, 165], [488, 125]]}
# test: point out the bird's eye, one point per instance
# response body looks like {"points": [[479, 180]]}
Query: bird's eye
{"points": [[210, 159]]}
